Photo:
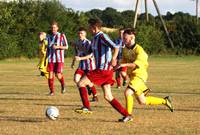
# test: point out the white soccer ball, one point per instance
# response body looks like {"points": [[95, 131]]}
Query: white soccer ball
{"points": [[52, 112]]}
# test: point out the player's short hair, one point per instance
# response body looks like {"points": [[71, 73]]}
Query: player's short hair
{"points": [[42, 33], [54, 23], [95, 22], [82, 29], [130, 31]]}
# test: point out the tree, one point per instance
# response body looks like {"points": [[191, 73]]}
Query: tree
{"points": [[111, 17]]}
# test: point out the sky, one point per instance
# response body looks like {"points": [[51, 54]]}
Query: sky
{"points": [[186, 6]]}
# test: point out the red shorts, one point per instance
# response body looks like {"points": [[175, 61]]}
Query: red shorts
{"points": [[56, 67], [80, 72], [101, 77]]}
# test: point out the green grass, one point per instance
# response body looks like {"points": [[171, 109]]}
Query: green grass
{"points": [[23, 101]]}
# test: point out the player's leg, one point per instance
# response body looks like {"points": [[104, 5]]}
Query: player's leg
{"points": [[139, 86], [62, 81], [129, 99], [51, 79], [60, 77], [150, 100], [77, 76], [51, 83], [84, 95], [124, 75], [117, 78], [94, 92], [114, 102]]}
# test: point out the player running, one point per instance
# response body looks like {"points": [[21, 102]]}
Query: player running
{"points": [[57, 43], [83, 48], [102, 75], [135, 59]]}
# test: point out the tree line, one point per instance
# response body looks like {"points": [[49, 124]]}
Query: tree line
{"points": [[22, 20]]}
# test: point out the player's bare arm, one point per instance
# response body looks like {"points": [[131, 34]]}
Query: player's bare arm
{"points": [[77, 58], [60, 47], [114, 57], [131, 65]]}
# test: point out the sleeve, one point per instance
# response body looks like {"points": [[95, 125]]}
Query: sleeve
{"points": [[64, 40], [89, 48], [107, 41], [141, 58]]}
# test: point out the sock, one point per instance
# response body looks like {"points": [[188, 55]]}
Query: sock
{"points": [[51, 86], [84, 97], [129, 104], [94, 91], [155, 101], [62, 82], [115, 104]]}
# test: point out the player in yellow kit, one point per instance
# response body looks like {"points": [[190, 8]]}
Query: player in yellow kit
{"points": [[43, 62], [136, 61]]}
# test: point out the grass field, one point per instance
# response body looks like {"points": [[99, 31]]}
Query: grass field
{"points": [[23, 101]]}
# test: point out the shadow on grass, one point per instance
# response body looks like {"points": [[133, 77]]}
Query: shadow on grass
{"points": [[86, 119], [45, 104], [17, 93], [81, 118], [29, 99], [171, 93], [175, 110], [22, 119], [176, 93]]}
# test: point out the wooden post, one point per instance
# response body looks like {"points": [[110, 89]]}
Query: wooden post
{"points": [[136, 12], [146, 11], [163, 23]]}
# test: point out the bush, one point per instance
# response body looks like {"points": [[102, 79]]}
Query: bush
{"points": [[8, 46], [151, 39]]}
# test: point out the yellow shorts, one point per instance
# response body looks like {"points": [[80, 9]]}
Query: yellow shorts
{"points": [[138, 85]]}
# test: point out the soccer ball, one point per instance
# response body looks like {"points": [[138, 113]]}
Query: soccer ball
{"points": [[52, 112]]}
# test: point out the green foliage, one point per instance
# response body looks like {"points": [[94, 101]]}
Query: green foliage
{"points": [[8, 46], [182, 27], [22, 20], [151, 39]]}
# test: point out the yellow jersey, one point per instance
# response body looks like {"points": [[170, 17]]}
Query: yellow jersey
{"points": [[43, 62], [43, 48], [138, 56]]}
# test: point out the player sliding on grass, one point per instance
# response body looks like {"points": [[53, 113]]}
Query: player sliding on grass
{"points": [[135, 59], [57, 43], [83, 48], [102, 75]]}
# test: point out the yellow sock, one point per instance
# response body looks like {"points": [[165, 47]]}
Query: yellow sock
{"points": [[154, 101], [129, 103]]}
